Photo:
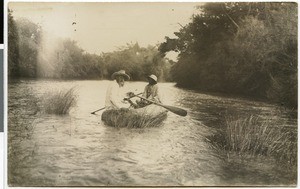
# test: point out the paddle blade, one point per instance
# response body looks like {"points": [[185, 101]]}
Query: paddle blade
{"points": [[176, 110]]}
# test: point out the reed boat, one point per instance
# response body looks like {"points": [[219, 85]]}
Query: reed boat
{"points": [[149, 116]]}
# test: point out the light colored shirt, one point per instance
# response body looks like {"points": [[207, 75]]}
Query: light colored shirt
{"points": [[115, 95], [151, 92]]}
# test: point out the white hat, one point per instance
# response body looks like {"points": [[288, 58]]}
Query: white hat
{"points": [[122, 73], [153, 77]]}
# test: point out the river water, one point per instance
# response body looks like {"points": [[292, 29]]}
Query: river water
{"points": [[79, 150]]}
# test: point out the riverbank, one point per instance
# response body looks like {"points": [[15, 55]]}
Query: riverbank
{"points": [[246, 96]]}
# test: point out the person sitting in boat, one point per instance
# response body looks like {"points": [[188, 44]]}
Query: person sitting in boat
{"points": [[151, 92], [116, 91]]}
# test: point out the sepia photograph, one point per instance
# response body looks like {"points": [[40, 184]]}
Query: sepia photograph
{"points": [[152, 94]]}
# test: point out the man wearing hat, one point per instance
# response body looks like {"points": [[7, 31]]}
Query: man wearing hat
{"points": [[151, 91], [114, 97]]}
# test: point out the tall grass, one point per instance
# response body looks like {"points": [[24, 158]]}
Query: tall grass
{"points": [[256, 137], [59, 102]]}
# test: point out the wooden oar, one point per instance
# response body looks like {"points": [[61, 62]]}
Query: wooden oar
{"points": [[173, 109], [98, 110], [105, 107]]}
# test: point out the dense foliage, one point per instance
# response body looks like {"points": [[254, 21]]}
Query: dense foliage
{"points": [[13, 48], [31, 54], [241, 48]]}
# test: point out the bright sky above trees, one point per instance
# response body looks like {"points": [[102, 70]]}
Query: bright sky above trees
{"points": [[103, 27]]}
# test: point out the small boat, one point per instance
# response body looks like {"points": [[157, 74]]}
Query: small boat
{"points": [[149, 116]]}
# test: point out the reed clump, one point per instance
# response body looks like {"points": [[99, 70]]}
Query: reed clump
{"points": [[256, 137], [59, 102], [126, 118]]}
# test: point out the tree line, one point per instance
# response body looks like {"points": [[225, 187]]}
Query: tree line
{"points": [[241, 48], [238, 48], [30, 55]]}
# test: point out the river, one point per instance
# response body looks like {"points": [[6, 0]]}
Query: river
{"points": [[79, 150]]}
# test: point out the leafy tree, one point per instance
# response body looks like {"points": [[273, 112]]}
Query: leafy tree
{"points": [[13, 47], [137, 61], [29, 43], [245, 48], [267, 54]]}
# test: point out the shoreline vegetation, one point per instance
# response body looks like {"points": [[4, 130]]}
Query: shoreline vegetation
{"points": [[239, 48], [254, 136], [247, 139]]}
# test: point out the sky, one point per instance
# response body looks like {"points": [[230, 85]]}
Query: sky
{"points": [[104, 27]]}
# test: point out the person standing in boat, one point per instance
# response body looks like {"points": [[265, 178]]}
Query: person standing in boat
{"points": [[151, 92], [116, 90]]}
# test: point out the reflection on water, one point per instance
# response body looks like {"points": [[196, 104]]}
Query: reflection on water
{"points": [[79, 150]]}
